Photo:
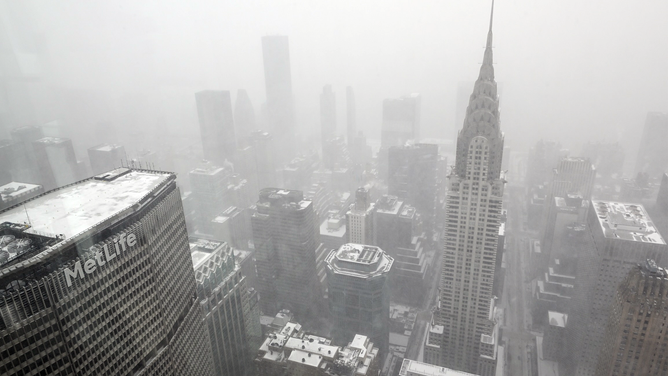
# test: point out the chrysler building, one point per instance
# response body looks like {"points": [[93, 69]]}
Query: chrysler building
{"points": [[463, 334]]}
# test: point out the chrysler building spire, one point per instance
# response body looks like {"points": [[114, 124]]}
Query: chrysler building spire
{"points": [[482, 118]]}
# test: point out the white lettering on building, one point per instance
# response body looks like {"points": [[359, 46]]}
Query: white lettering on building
{"points": [[102, 255]]}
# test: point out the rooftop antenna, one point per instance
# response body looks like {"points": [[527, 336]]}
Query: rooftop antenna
{"points": [[26, 210]]}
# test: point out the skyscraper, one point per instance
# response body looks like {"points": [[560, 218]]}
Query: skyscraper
{"points": [[572, 176], [351, 116], [278, 82], [56, 162], [621, 236], [216, 125], [265, 161], [360, 218], [209, 194], [234, 327], [327, 123], [106, 157], [401, 120], [359, 299], [635, 342], [284, 234], [244, 115], [99, 281], [475, 192], [652, 153], [411, 176]]}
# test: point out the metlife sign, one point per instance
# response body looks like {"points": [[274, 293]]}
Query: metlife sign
{"points": [[104, 254]]}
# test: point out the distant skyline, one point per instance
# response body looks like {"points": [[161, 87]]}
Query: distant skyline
{"points": [[594, 67]]}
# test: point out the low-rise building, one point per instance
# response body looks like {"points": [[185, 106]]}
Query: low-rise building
{"points": [[291, 351]]}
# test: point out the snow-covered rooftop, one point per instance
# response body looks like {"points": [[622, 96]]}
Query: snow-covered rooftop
{"points": [[77, 207], [415, 368], [626, 222]]}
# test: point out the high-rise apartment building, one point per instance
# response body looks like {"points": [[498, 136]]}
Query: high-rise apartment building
{"points": [[359, 298], [635, 342], [99, 281], [285, 238], [106, 157], [216, 125], [652, 153], [360, 218], [463, 319], [233, 324], [412, 177], [401, 120], [278, 83], [621, 236], [351, 115], [244, 115]]}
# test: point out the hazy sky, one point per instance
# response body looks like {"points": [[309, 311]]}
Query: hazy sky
{"points": [[593, 66]]}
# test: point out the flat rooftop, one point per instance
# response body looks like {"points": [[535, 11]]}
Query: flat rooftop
{"points": [[75, 208], [415, 368], [202, 249], [557, 318], [359, 260], [626, 222], [106, 147], [16, 189]]}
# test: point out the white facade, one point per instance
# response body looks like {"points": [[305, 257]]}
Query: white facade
{"points": [[464, 322]]}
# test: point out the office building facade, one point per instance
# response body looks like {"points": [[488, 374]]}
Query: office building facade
{"points": [[233, 324], [99, 282], [360, 218], [621, 235], [635, 342], [285, 238], [359, 300]]}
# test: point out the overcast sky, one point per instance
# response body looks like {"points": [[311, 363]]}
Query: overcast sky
{"points": [[567, 67]]}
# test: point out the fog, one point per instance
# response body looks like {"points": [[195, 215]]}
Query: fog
{"points": [[495, 234], [569, 70]]}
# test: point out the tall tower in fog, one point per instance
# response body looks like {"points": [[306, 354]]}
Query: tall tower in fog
{"points": [[244, 116], [464, 326], [216, 125], [278, 82], [351, 115], [327, 121]]}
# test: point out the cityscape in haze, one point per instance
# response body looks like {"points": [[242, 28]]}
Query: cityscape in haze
{"points": [[310, 188]]}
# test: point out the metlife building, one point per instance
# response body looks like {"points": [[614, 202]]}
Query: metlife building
{"points": [[96, 278]]}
